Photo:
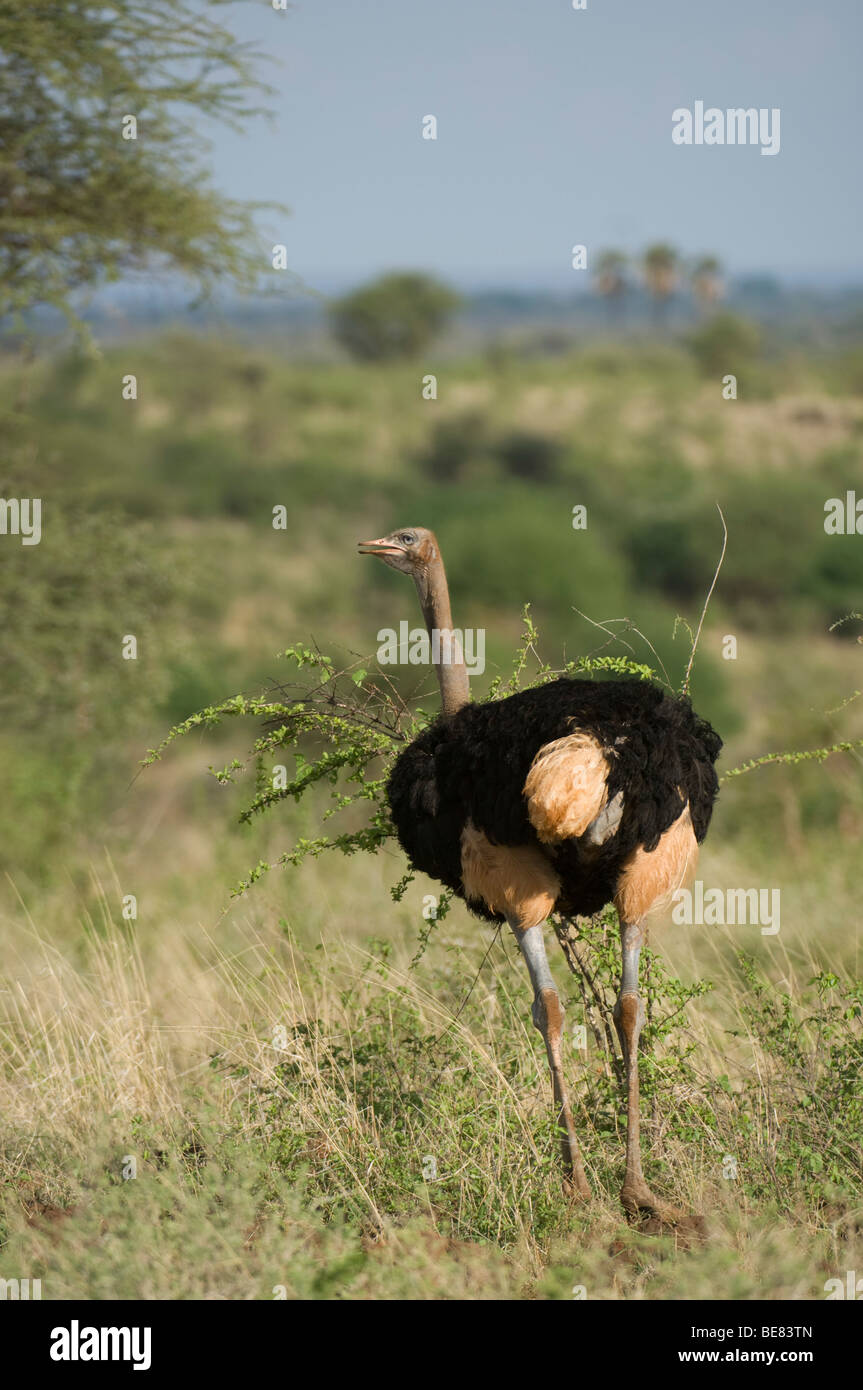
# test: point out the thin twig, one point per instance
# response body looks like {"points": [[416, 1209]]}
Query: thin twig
{"points": [[633, 628], [612, 636], [685, 690], [563, 931]]}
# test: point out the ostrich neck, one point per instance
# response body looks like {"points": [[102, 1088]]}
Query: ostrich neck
{"points": [[449, 664]]}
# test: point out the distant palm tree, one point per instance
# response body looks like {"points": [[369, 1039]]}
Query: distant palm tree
{"points": [[707, 284], [611, 281], [660, 267]]}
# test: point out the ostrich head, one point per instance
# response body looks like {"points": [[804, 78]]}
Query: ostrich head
{"points": [[412, 549]]}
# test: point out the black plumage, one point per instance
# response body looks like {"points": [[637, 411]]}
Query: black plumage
{"points": [[472, 765]]}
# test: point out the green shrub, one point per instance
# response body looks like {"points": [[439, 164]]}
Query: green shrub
{"points": [[395, 316], [727, 343]]}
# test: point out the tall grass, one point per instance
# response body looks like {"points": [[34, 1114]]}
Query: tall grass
{"points": [[306, 1109]]}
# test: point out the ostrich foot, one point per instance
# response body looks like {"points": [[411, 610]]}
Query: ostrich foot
{"points": [[655, 1217]]}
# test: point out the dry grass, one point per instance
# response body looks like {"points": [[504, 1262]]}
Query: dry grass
{"points": [[299, 1158]]}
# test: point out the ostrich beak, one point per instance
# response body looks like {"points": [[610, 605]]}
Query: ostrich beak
{"points": [[381, 547]]}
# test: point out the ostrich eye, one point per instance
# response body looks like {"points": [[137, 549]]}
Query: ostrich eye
{"points": [[407, 538]]}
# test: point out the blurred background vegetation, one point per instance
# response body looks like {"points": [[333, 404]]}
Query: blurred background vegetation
{"points": [[158, 522]]}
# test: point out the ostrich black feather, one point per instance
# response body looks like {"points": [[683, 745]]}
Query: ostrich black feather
{"points": [[472, 765]]}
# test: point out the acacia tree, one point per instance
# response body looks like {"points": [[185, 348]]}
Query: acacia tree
{"points": [[79, 203]]}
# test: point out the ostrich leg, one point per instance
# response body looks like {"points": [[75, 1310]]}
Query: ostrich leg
{"points": [[547, 1014], [635, 1195]]}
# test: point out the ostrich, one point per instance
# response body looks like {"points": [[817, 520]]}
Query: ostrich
{"points": [[561, 798]]}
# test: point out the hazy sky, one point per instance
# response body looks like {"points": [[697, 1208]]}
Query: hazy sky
{"points": [[554, 127]]}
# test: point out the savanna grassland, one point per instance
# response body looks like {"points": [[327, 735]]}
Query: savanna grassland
{"points": [[311, 1101]]}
